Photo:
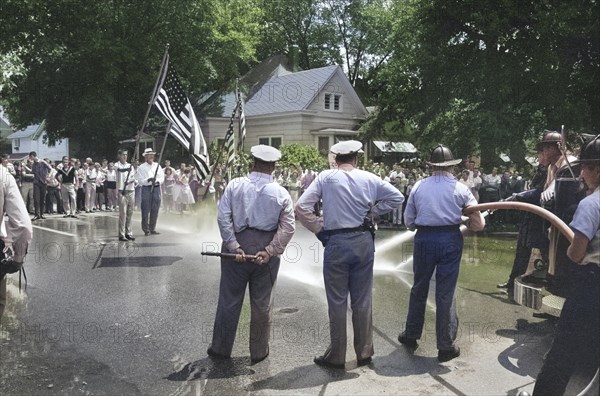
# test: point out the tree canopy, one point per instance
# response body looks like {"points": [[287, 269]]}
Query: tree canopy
{"points": [[481, 76], [88, 68], [489, 76]]}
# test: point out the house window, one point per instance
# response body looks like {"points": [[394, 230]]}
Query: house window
{"points": [[333, 102], [16, 143], [273, 141], [323, 145]]}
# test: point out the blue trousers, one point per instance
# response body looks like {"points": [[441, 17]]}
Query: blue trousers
{"points": [[348, 270], [150, 206], [439, 249]]}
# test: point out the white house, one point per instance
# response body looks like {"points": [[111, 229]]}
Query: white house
{"points": [[33, 138], [314, 107]]}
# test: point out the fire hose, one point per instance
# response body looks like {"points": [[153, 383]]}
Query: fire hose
{"points": [[546, 214]]}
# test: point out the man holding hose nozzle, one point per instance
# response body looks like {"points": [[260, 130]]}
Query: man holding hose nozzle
{"points": [[255, 217], [434, 208], [531, 229], [576, 343]]}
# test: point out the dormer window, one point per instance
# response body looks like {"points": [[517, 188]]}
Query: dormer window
{"points": [[333, 102]]}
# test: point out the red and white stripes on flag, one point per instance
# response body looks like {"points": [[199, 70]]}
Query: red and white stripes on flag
{"points": [[172, 102], [242, 136], [230, 139]]}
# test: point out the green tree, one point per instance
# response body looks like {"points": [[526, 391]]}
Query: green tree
{"points": [[300, 155], [487, 76], [363, 28], [88, 68], [297, 28]]}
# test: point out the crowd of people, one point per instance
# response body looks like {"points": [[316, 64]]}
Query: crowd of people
{"points": [[71, 186]]}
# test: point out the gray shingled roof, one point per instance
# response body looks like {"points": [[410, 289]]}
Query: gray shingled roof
{"points": [[27, 132], [289, 93], [221, 103]]}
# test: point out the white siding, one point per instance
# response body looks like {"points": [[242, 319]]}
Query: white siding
{"points": [[54, 153]]}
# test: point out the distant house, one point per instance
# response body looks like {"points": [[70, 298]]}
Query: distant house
{"points": [[33, 138], [315, 107], [5, 128]]}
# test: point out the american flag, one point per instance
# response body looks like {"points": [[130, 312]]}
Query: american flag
{"points": [[173, 103], [229, 138], [242, 123]]}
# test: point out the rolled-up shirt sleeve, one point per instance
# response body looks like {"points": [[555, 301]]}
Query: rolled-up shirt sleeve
{"points": [[388, 198], [476, 221], [225, 221], [285, 230], [305, 207]]}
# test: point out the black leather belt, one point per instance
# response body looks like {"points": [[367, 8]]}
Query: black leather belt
{"points": [[452, 227], [256, 229], [344, 230]]}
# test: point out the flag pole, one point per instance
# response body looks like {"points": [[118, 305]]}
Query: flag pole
{"points": [[150, 103], [160, 158], [219, 155], [162, 149]]}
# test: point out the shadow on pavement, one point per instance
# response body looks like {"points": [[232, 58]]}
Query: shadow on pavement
{"points": [[500, 295], [150, 261], [212, 369], [302, 377], [531, 341], [402, 362]]}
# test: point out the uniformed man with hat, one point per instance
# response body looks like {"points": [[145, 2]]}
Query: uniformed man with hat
{"points": [[552, 151], [435, 206], [349, 197], [255, 217], [576, 343], [150, 176], [549, 150]]}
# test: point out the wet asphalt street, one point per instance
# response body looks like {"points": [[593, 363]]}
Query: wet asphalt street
{"points": [[100, 316]]}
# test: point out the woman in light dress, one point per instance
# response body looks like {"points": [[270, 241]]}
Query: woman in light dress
{"points": [[184, 196]]}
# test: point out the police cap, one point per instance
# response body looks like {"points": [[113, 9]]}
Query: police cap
{"points": [[265, 153]]}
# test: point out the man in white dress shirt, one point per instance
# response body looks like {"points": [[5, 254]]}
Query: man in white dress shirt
{"points": [[126, 190], [150, 176], [256, 217], [16, 234]]}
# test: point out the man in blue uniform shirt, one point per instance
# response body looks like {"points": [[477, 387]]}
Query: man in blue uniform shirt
{"points": [[256, 217], [435, 208], [349, 196]]}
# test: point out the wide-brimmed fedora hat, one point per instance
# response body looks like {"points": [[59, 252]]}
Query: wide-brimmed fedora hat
{"points": [[442, 156], [148, 151]]}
